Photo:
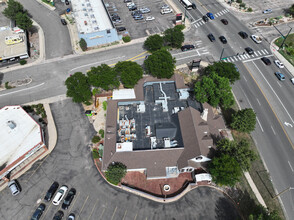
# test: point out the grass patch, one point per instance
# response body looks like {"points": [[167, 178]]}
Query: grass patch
{"points": [[104, 105], [288, 49]]}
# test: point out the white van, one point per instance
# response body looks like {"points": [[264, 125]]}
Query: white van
{"points": [[14, 187]]}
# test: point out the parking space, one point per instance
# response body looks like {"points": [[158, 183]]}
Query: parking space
{"points": [[142, 25]]}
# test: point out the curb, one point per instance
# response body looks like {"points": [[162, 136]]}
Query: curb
{"points": [[52, 8]]}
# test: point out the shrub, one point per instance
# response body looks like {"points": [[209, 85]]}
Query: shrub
{"points": [[249, 9], [242, 5], [83, 44], [95, 153], [115, 172], [96, 139], [22, 62], [7, 86], [101, 132], [126, 39], [239, 1], [104, 105]]}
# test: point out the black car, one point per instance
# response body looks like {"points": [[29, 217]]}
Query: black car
{"points": [[205, 18], [125, 1], [211, 37], [39, 211], [243, 34], [266, 61], [187, 47], [224, 21], [68, 199], [136, 13], [133, 8], [249, 50], [223, 39], [194, 6], [66, 2], [53, 188], [58, 215], [63, 21], [120, 28]]}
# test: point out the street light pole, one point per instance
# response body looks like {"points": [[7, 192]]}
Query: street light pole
{"points": [[221, 54], [285, 39], [285, 190]]}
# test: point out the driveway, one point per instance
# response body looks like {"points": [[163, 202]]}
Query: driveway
{"points": [[70, 163]]}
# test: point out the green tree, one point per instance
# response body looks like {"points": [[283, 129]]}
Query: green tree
{"points": [[104, 77], [174, 37], [225, 170], [126, 39], [153, 43], [160, 64], [129, 72], [291, 10], [78, 88], [83, 44], [215, 90], [23, 21], [244, 120], [240, 151], [115, 172], [13, 8], [227, 70]]}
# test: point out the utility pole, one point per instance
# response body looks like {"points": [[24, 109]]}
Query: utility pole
{"points": [[285, 190], [221, 54]]}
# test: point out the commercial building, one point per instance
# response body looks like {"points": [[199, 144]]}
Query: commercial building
{"points": [[93, 22], [160, 130], [20, 138]]}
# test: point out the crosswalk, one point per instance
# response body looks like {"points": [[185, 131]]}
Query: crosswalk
{"points": [[201, 22], [243, 57]]}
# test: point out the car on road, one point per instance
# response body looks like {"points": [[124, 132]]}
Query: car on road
{"points": [[210, 15], [205, 18], [224, 21], [120, 29], [243, 34], [223, 39], [256, 39], [71, 216], [266, 61], [66, 2], [211, 37], [249, 50], [279, 64], [53, 188], [39, 211], [14, 187], [267, 11], [68, 199], [166, 11], [149, 18], [187, 47], [280, 76], [292, 80], [58, 215], [59, 195], [194, 5], [63, 21]]}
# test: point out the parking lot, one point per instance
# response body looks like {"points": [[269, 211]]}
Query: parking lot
{"points": [[141, 28]]}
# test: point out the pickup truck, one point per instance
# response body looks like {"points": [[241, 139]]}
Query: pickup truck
{"points": [[256, 39]]}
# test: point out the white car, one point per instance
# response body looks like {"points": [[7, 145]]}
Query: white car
{"points": [[279, 64], [256, 39], [267, 11], [292, 80], [166, 11], [59, 195], [129, 4], [164, 6], [149, 18]]}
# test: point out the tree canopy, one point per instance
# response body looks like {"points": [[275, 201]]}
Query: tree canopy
{"points": [[244, 120], [174, 37], [23, 21], [129, 72], [13, 8], [291, 10], [78, 88], [225, 170], [115, 172], [240, 151], [104, 77], [153, 43], [215, 90], [227, 70], [160, 64]]}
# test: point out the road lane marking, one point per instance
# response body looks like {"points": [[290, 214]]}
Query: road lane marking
{"points": [[22, 89], [259, 124], [125, 215], [114, 212], [83, 205], [288, 124], [137, 55], [259, 52], [258, 101], [72, 205], [195, 55], [93, 209], [273, 130], [135, 216], [290, 166]]}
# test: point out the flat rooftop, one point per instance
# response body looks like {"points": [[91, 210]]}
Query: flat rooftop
{"points": [[17, 49], [90, 16], [19, 133], [162, 124]]}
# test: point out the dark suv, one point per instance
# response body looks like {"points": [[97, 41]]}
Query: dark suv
{"points": [[205, 18], [187, 47], [68, 199], [58, 215], [243, 34], [53, 188], [266, 61], [223, 39], [211, 37], [39, 211], [249, 50]]}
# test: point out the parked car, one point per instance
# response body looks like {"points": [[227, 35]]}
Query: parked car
{"points": [[130, 4], [149, 18], [14, 187], [125, 1], [120, 28], [39, 211], [59, 195], [71, 217], [292, 80], [243, 34], [266, 61], [267, 11], [194, 5], [223, 39], [136, 13], [224, 21], [166, 11], [279, 64], [139, 17], [280, 76], [68, 199], [58, 215], [211, 37], [210, 15], [187, 47], [165, 6], [53, 188], [249, 50], [205, 18], [144, 10], [133, 8], [256, 39], [66, 2], [63, 21]]}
